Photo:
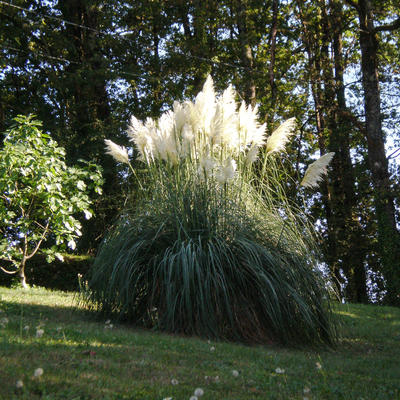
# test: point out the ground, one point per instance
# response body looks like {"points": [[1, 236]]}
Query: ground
{"points": [[82, 357]]}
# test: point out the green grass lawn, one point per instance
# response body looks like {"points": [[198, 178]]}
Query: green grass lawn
{"points": [[84, 358]]}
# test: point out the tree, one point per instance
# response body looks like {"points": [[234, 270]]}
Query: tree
{"points": [[40, 196], [388, 234], [61, 71], [323, 27]]}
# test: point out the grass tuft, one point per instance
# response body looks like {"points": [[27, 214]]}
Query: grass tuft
{"points": [[217, 262]]}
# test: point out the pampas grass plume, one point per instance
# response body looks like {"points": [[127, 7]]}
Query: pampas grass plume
{"points": [[316, 170], [279, 138], [120, 153]]}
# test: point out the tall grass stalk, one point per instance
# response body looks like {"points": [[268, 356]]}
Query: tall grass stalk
{"points": [[212, 246]]}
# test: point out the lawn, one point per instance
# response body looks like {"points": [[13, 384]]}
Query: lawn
{"points": [[84, 358]]}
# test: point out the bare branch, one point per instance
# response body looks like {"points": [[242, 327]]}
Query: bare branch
{"points": [[39, 242], [394, 155], [389, 27], [8, 272]]}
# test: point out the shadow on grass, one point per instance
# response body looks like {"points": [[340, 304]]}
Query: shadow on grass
{"points": [[86, 360]]}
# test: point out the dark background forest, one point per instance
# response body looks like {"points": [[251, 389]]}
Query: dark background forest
{"points": [[84, 67]]}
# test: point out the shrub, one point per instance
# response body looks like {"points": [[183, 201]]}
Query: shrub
{"points": [[41, 196], [212, 246]]}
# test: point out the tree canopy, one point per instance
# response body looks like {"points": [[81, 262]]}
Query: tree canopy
{"points": [[84, 67]]}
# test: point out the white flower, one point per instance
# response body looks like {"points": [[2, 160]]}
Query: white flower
{"points": [[252, 154], [72, 244], [250, 131], [19, 384], [39, 333], [226, 172], [174, 382], [223, 127], [277, 141], [180, 117], [306, 390], [165, 140], [207, 163], [120, 153], [141, 134], [88, 214], [199, 392], [209, 125], [235, 373], [187, 136], [316, 170], [26, 328], [203, 110], [206, 166], [38, 372], [212, 348], [318, 365], [280, 371]]}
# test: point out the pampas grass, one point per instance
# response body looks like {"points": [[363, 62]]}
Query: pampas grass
{"points": [[210, 247], [316, 170]]}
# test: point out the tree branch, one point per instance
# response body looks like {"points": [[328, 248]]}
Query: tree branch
{"points": [[389, 27], [39, 242], [352, 3], [8, 272]]}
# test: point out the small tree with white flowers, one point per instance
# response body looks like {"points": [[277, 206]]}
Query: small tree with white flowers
{"points": [[40, 196]]}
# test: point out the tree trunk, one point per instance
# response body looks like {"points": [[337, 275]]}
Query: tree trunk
{"points": [[22, 276], [388, 235], [312, 37], [351, 250], [246, 53], [88, 111], [272, 45]]}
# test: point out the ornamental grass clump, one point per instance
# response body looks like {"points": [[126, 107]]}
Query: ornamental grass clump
{"points": [[211, 246]]}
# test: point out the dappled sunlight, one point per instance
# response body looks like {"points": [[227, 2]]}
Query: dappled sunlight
{"points": [[347, 314], [76, 357], [40, 296]]}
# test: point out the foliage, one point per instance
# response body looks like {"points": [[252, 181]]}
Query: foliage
{"points": [[88, 359], [41, 196], [84, 66], [212, 247]]}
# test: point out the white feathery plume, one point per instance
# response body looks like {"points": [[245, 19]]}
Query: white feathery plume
{"points": [[316, 170], [252, 154], [206, 165], [202, 112], [208, 124], [279, 138], [226, 172], [223, 125], [165, 138], [120, 153], [140, 134], [250, 131], [180, 116]]}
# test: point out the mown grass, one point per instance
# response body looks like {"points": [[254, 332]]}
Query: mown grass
{"points": [[82, 358]]}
